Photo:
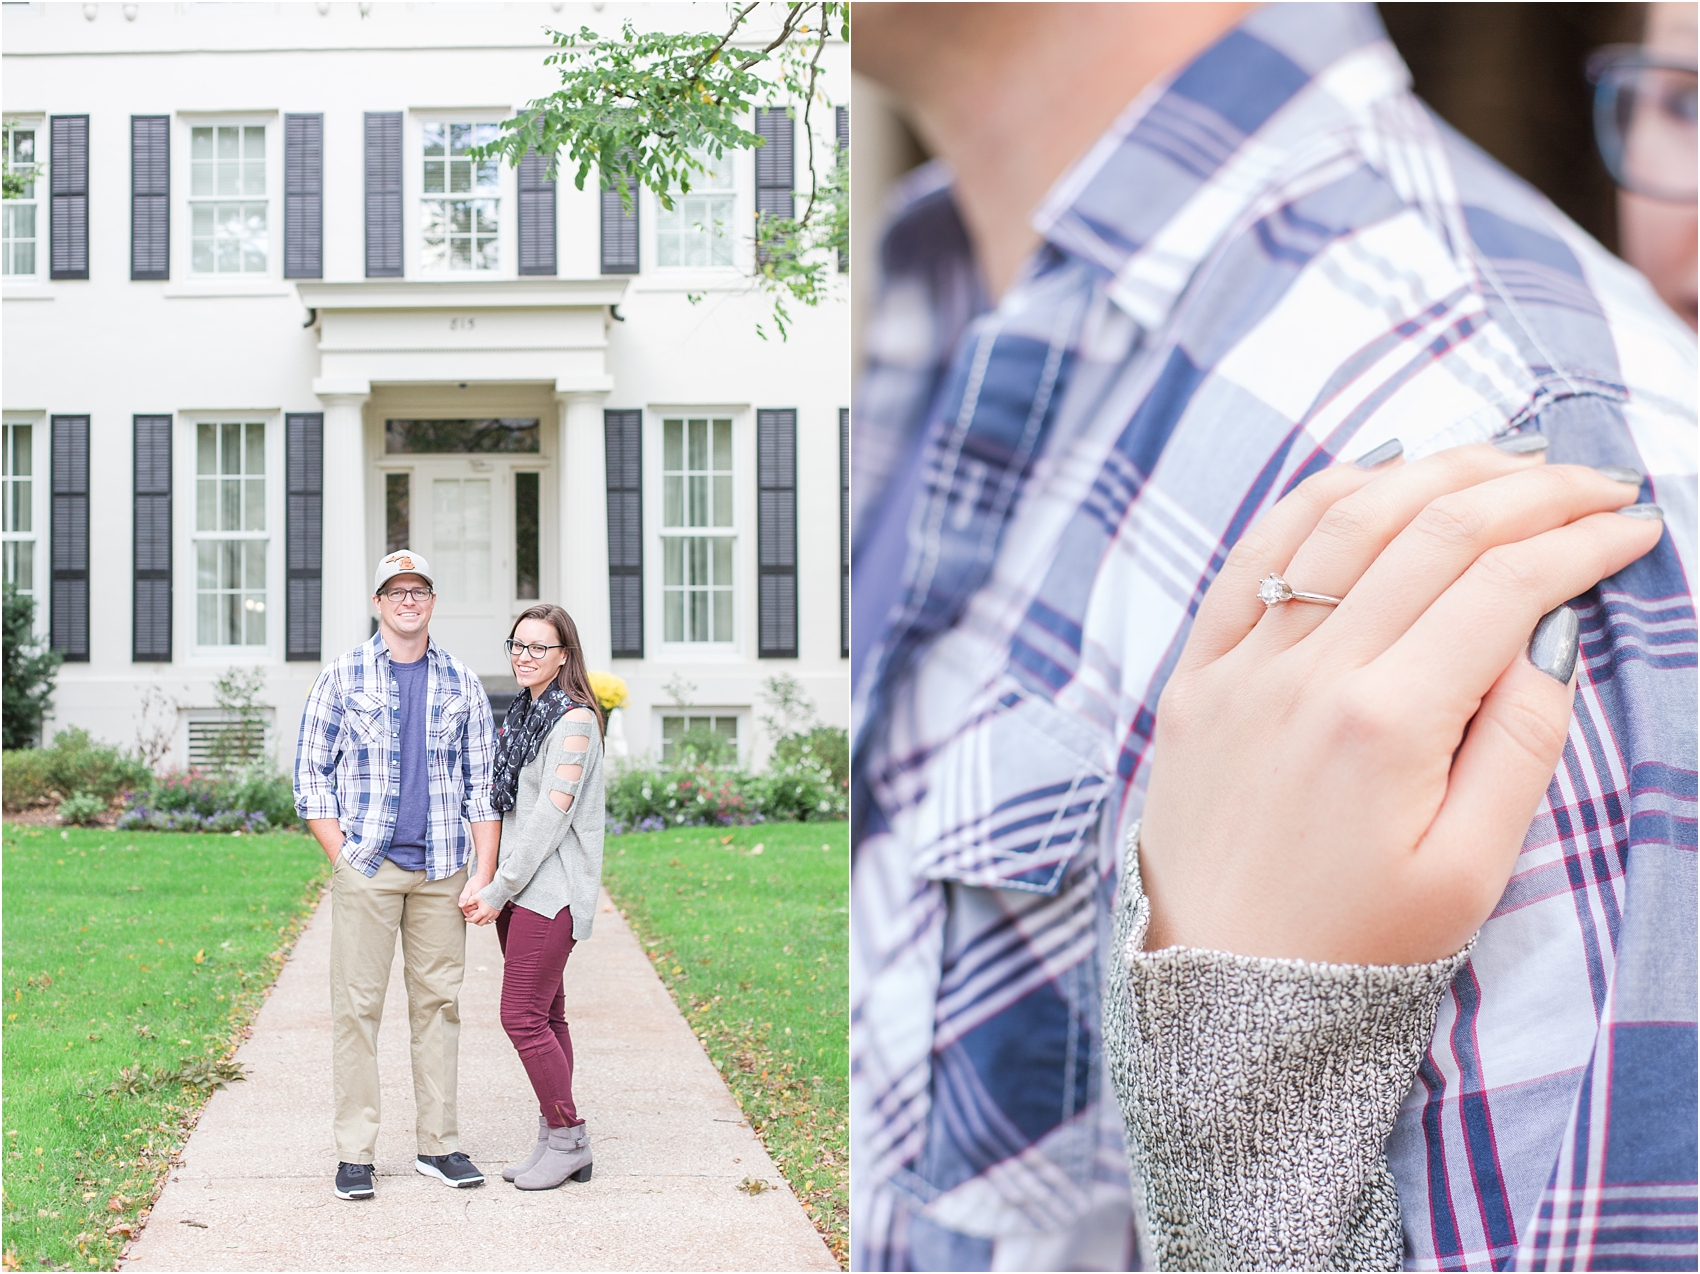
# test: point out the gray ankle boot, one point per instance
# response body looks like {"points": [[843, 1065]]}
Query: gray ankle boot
{"points": [[565, 1154], [530, 1161]]}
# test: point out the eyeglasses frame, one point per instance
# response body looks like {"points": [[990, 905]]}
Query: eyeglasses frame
{"points": [[1602, 70]]}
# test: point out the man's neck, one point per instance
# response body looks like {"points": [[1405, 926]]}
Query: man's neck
{"points": [[1010, 94], [405, 650]]}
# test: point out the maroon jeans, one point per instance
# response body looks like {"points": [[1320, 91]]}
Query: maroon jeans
{"points": [[535, 951]]}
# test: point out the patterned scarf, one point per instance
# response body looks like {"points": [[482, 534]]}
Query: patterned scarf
{"points": [[526, 725]]}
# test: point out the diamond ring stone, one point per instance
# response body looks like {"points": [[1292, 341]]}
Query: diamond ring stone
{"points": [[1272, 590]]}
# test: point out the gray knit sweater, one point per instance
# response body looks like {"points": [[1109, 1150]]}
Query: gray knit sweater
{"points": [[1258, 1096], [552, 858]]}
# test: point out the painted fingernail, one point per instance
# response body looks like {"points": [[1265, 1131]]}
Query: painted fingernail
{"points": [[1651, 512], [1620, 473], [1386, 453], [1552, 647], [1521, 444]]}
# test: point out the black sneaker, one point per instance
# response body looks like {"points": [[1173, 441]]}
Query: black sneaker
{"points": [[354, 1181], [454, 1170]]}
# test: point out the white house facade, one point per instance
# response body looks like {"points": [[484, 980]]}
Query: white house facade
{"points": [[265, 320]]}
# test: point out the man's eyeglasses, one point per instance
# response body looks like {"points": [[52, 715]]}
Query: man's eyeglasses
{"points": [[1644, 120], [400, 595], [537, 650]]}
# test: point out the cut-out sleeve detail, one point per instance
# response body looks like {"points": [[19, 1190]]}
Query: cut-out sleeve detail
{"points": [[563, 763]]}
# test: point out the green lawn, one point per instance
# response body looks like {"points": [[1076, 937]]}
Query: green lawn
{"points": [[749, 929], [126, 951]]}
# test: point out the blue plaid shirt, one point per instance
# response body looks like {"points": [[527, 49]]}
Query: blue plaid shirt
{"points": [[1275, 260], [348, 756]]}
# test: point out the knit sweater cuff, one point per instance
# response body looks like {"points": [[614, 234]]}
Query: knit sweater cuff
{"points": [[1258, 1096]]}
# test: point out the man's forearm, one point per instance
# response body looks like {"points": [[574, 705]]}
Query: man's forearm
{"points": [[328, 832], [486, 845]]}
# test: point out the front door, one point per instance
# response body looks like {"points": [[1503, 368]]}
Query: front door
{"points": [[475, 518]]}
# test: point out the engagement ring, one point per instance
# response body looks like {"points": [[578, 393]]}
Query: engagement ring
{"points": [[1272, 590]]}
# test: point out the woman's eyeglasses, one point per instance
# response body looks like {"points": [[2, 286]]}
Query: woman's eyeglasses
{"points": [[537, 650], [1644, 120]]}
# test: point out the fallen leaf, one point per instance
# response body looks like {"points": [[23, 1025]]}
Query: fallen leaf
{"points": [[200, 955]]}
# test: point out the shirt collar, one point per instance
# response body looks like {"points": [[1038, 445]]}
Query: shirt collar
{"points": [[375, 645], [1165, 184]]}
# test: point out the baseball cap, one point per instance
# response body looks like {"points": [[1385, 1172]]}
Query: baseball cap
{"points": [[402, 562]]}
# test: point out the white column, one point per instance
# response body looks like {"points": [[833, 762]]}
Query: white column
{"points": [[583, 506], [347, 573]]}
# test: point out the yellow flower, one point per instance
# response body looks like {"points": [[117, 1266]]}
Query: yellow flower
{"points": [[610, 690]]}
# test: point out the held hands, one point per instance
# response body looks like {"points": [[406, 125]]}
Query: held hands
{"points": [[1353, 783], [474, 908]]}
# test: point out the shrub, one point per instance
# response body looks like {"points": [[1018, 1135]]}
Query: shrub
{"points": [[799, 791], [645, 799], [82, 810], [251, 800], [74, 765], [828, 744], [30, 669], [703, 745], [24, 774]]}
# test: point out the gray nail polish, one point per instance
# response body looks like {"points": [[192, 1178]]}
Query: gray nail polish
{"points": [[1521, 444], [1552, 647], [1620, 473], [1651, 512], [1386, 453]]}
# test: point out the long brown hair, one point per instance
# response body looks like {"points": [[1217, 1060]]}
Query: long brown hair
{"points": [[572, 677]]}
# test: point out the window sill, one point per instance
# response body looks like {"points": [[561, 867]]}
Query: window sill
{"points": [[26, 292], [198, 288], [671, 279]]}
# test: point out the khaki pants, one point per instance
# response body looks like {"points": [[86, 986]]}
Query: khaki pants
{"points": [[365, 915]]}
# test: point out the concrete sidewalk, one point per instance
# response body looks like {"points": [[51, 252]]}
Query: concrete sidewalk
{"points": [[254, 1188]]}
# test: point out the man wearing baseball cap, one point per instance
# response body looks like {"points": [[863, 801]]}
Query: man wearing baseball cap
{"points": [[392, 766]]}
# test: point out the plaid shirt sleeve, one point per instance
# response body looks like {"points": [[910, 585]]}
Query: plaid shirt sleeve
{"points": [[478, 757], [316, 752]]}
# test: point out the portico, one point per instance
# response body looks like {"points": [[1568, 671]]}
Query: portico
{"points": [[465, 420]]}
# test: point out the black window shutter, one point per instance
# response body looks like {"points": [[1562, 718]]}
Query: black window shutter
{"points": [[150, 634], [623, 438], [536, 215], [304, 468], [775, 164], [150, 196], [620, 230], [69, 182], [843, 532], [383, 195], [843, 121], [70, 621], [304, 196], [776, 532]]}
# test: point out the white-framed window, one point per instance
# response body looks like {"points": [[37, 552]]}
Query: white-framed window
{"points": [[21, 218], [698, 529], [229, 199], [461, 199], [231, 541], [674, 726], [700, 230], [21, 445]]}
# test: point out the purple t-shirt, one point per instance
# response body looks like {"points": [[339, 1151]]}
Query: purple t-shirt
{"points": [[407, 846]]}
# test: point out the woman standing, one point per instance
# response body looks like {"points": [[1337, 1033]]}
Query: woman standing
{"points": [[542, 891]]}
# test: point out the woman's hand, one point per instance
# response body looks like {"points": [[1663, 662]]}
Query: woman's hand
{"points": [[1352, 784], [480, 912]]}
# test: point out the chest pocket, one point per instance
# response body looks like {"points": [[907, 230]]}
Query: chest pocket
{"points": [[451, 721], [365, 717]]}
